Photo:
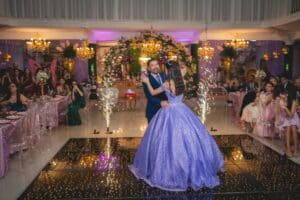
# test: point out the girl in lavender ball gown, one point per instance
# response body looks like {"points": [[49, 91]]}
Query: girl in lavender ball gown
{"points": [[176, 151], [288, 121]]}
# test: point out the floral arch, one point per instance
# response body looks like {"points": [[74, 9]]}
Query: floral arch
{"points": [[125, 57]]}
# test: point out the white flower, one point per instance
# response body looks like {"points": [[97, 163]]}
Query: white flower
{"points": [[260, 74], [42, 76]]}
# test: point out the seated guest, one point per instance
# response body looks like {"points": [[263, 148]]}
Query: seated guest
{"points": [[248, 98], [78, 102], [15, 100], [276, 86], [297, 87], [250, 112], [17, 76], [68, 79], [288, 121], [251, 85], [6, 80], [287, 86], [62, 89], [233, 85], [266, 116]]}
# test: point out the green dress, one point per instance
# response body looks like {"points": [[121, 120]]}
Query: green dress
{"points": [[73, 112]]}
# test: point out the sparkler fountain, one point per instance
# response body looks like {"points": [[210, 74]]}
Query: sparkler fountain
{"points": [[108, 98], [205, 99]]}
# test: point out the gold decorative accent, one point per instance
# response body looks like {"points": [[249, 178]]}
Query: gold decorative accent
{"points": [[276, 54], [37, 44], [266, 57], [7, 57], [69, 65], [206, 52], [85, 52], [285, 50], [151, 47], [238, 42]]}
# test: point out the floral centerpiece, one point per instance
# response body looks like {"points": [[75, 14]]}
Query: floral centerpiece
{"points": [[42, 76]]}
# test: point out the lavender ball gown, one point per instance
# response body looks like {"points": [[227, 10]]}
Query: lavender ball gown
{"points": [[177, 151]]}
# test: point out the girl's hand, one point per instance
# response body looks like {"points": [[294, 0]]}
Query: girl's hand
{"points": [[144, 78]]}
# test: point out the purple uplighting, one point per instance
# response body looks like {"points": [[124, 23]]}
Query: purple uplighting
{"points": [[109, 35], [106, 162]]}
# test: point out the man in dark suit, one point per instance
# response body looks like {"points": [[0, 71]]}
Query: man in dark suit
{"points": [[251, 85], [287, 86], [297, 86], [154, 103]]}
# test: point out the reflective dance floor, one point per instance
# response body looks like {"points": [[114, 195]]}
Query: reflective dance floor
{"points": [[97, 169]]}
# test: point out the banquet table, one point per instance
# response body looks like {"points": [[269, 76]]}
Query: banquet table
{"points": [[40, 115]]}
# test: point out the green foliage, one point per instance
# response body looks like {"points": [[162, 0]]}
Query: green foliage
{"points": [[69, 52], [228, 52], [135, 66]]}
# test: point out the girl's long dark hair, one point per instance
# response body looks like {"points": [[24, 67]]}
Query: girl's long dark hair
{"points": [[290, 98], [18, 94], [174, 74]]}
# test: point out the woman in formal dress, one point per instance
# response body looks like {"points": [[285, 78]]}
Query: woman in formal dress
{"points": [[288, 121], [266, 109], [78, 102], [15, 101], [250, 113], [62, 89], [176, 151]]}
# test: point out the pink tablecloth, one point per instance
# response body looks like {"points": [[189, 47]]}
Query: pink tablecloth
{"points": [[42, 114]]}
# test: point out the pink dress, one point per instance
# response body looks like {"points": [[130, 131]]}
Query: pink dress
{"points": [[285, 120], [266, 117]]}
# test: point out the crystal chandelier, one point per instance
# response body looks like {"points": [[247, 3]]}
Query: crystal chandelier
{"points": [[151, 47], [37, 44], [84, 52], [205, 51], [238, 43]]}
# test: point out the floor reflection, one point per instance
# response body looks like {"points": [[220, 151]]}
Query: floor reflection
{"points": [[97, 168]]}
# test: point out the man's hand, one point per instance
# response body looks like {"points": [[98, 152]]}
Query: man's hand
{"points": [[164, 104]]}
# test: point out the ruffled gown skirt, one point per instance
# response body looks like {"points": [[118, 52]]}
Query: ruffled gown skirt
{"points": [[177, 152]]}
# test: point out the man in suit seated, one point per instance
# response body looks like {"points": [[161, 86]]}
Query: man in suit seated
{"points": [[287, 86]]}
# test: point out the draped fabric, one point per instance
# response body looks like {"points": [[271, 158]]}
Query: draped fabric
{"points": [[33, 65], [53, 67], [184, 10]]}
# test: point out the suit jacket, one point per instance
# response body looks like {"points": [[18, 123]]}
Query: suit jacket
{"points": [[290, 89], [251, 87], [153, 102]]}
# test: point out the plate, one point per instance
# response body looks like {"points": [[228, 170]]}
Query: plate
{"points": [[13, 117], [21, 113], [4, 121]]}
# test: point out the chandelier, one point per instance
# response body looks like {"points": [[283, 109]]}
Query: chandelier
{"points": [[205, 51], [151, 47], [276, 54], [84, 52], [37, 44], [238, 43], [285, 50]]}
